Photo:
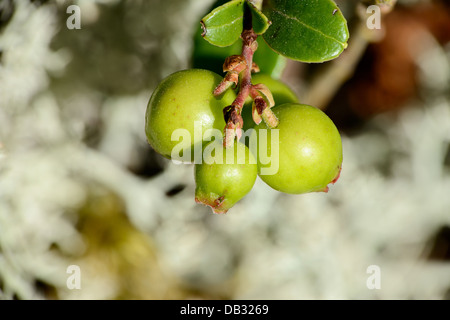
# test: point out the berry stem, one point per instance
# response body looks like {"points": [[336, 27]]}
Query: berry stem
{"points": [[270, 118], [248, 50], [234, 124], [233, 118]]}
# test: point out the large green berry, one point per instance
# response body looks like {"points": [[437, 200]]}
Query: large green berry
{"points": [[307, 153], [281, 94], [179, 101], [225, 176]]}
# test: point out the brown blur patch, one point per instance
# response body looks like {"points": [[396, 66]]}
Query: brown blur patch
{"points": [[386, 77]]}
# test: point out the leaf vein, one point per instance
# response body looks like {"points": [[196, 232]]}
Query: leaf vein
{"points": [[309, 27], [226, 24]]}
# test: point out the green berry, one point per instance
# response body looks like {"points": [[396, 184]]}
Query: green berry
{"points": [[225, 176], [178, 102], [309, 150]]}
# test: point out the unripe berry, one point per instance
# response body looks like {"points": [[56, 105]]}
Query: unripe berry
{"points": [[226, 181], [178, 102], [310, 150]]}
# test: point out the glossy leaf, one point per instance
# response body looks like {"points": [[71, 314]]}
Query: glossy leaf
{"points": [[308, 31], [223, 26], [260, 22]]}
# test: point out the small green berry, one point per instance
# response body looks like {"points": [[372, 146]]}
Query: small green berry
{"points": [[225, 176]]}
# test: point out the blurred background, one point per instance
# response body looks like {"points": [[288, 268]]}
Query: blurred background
{"points": [[79, 185]]}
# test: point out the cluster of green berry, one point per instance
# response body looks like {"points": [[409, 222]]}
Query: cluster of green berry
{"points": [[304, 150]]}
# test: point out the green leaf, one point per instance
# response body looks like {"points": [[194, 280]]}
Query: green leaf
{"points": [[260, 22], [306, 30], [223, 26]]}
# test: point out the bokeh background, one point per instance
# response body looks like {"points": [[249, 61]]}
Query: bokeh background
{"points": [[79, 185]]}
